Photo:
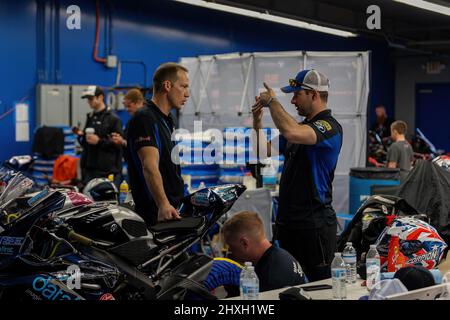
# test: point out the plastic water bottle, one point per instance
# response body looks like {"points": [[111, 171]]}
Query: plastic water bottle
{"points": [[338, 277], [123, 191], [372, 267], [249, 181], [250, 284], [269, 177], [349, 256], [243, 276]]}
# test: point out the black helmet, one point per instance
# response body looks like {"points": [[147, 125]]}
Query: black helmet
{"points": [[101, 189]]}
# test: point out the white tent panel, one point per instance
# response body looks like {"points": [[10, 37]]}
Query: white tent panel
{"points": [[343, 73], [276, 72], [223, 88]]}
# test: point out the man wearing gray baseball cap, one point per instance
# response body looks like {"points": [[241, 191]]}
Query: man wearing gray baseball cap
{"points": [[306, 220]]}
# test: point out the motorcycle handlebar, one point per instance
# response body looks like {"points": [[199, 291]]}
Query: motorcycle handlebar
{"points": [[73, 236]]}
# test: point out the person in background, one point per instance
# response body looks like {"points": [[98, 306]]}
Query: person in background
{"points": [[382, 125], [100, 157], [400, 153], [132, 101], [247, 242], [155, 179]]}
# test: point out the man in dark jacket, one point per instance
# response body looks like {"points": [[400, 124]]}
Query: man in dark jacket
{"points": [[100, 157]]}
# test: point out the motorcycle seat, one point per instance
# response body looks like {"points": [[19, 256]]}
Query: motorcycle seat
{"points": [[164, 232]]}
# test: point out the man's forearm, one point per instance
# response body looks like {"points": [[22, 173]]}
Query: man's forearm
{"points": [[264, 145], [283, 120], [154, 182]]}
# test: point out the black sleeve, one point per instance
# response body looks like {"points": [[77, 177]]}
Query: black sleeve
{"points": [[142, 132], [324, 130]]}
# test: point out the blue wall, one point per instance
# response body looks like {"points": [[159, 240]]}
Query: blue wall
{"points": [[151, 31]]}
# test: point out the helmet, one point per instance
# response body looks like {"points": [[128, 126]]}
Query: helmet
{"points": [[409, 241], [20, 163], [101, 189]]}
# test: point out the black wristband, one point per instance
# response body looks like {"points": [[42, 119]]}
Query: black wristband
{"points": [[269, 102]]}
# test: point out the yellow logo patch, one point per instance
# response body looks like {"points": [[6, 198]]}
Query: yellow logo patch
{"points": [[322, 125]]}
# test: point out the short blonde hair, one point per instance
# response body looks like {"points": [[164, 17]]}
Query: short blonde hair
{"points": [[244, 222], [399, 126], [134, 95]]}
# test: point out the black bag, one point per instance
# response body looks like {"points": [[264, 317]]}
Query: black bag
{"points": [[48, 142]]}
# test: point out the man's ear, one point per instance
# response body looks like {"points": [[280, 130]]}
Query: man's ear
{"points": [[244, 241], [167, 85], [315, 95]]}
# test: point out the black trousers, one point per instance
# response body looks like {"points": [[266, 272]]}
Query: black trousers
{"points": [[313, 248]]}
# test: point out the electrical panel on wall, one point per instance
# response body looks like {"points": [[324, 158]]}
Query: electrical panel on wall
{"points": [[80, 107], [53, 105], [62, 105]]}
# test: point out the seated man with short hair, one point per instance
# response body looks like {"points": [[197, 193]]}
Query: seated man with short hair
{"points": [[275, 267]]}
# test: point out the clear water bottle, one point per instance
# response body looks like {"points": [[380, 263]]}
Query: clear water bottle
{"points": [[372, 267], [243, 276], [338, 277], [349, 256], [250, 284], [269, 176]]}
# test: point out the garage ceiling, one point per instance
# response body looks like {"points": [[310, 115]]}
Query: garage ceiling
{"points": [[410, 30]]}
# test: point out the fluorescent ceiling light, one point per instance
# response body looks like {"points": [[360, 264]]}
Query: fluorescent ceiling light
{"points": [[268, 17], [427, 6]]}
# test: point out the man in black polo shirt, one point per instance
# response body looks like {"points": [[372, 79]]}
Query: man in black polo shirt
{"points": [[275, 267], [306, 221], [156, 183]]}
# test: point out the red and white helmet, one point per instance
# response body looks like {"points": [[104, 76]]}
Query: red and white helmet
{"points": [[416, 243]]}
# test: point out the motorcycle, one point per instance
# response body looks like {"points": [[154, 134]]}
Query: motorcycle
{"points": [[118, 256]]}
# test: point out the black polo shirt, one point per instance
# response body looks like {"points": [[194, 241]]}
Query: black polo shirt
{"points": [[149, 127], [306, 182], [278, 269]]}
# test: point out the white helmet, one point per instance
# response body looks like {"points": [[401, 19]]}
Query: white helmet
{"points": [[101, 189]]}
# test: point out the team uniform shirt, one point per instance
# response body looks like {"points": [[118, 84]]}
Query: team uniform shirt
{"points": [[149, 127], [277, 269], [306, 182]]}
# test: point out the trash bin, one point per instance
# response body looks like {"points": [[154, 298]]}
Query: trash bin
{"points": [[362, 179]]}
